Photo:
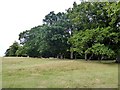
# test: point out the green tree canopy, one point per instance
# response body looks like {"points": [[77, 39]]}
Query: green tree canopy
{"points": [[11, 51]]}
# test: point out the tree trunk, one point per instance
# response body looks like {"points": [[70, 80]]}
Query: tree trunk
{"points": [[71, 55], [99, 58], [102, 57], [86, 56], [91, 56], [61, 56], [57, 56], [75, 56], [118, 59]]}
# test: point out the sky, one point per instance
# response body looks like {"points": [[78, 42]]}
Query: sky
{"points": [[20, 15]]}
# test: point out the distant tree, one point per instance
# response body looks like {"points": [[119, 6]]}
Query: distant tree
{"points": [[49, 39], [22, 51], [90, 30], [11, 51]]}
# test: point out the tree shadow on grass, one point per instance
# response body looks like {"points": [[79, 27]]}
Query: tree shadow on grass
{"points": [[109, 62]]}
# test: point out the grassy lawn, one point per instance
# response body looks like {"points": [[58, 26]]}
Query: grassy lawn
{"points": [[55, 73], [0, 73]]}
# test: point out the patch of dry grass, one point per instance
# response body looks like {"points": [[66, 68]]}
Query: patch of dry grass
{"points": [[55, 73], [0, 72]]}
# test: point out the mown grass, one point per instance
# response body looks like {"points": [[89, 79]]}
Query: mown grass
{"points": [[0, 73], [55, 73]]}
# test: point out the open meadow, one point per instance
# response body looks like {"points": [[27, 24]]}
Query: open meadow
{"points": [[56, 73]]}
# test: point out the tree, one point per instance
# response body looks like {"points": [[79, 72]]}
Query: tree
{"points": [[86, 42], [101, 51], [11, 51], [47, 40], [90, 30], [88, 15], [22, 51]]}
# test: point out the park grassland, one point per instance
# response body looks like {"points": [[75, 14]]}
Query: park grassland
{"points": [[0, 73], [55, 73]]}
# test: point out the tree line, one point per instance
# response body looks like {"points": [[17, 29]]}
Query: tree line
{"points": [[89, 30]]}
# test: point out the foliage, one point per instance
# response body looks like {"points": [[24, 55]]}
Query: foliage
{"points": [[11, 51], [90, 29], [47, 40]]}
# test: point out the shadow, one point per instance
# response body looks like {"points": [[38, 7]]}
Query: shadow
{"points": [[112, 62]]}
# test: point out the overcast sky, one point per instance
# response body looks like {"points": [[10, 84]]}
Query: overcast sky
{"points": [[19, 15]]}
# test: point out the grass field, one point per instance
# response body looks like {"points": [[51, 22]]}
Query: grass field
{"points": [[55, 73], [0, 73]]}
